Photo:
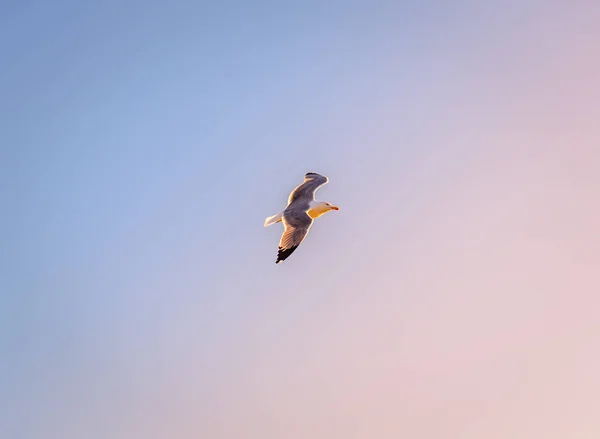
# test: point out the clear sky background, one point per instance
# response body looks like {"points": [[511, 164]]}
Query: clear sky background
{"points": [[455, 295]]}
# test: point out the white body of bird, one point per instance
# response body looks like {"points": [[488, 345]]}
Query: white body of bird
{"points": [[317, 208]]}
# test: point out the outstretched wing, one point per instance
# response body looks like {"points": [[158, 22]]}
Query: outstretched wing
{"points": [[296, 224], [306, 191]]}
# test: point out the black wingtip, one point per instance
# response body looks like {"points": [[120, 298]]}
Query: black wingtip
{"points": [[311, 174], [284, 253]]}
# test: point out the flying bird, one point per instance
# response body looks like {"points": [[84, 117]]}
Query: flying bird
{"points": [[298, 216]]}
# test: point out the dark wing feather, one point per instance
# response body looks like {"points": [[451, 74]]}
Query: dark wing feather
{"points": [[306, 191], [296, 225]]}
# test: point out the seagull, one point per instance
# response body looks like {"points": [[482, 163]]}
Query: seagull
{"points": [[298, 216]]}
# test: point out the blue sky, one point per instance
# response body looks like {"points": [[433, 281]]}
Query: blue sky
{"points": [[144, 143]]}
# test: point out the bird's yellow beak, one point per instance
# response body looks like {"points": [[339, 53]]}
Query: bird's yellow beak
{"points": [[335, 208]]}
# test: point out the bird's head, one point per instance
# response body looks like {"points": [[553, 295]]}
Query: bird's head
{"points": [[319, 208]]}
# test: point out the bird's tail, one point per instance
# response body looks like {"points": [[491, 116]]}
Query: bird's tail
{"points": [[273, 219]]}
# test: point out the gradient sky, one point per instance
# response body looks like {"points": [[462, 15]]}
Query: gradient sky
{"points": [[455, 295]]}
